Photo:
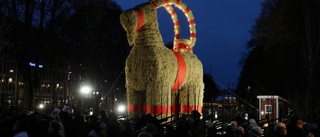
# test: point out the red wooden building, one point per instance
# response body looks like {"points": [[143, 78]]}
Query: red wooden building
{"points": [[272, 107]]}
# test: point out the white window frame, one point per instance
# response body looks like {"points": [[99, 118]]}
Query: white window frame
{"points": [[266, 110]]}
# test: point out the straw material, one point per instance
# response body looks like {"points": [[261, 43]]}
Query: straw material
{"points": [[151, 69]]}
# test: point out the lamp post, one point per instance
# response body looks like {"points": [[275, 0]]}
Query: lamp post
{"points": [[85, 90]]}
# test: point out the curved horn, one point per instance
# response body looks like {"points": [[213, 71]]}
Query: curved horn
{"points": [[188, 13]]}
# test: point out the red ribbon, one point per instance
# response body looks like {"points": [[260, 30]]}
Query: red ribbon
{"points": [[191, 21], [183, 46], [177, 2], [141, 18], [153, 109], [182, 71], [154, 5]]}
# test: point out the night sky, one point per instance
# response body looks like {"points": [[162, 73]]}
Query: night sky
{"points": [[222, 33]]}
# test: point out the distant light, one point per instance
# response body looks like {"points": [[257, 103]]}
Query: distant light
{"points": [[91, 111], [85, 90], [121, 108], [10, 80], [216, 115], [11, 70], [40, 66], [262, 112], [41, 106], [246, 116], [32, 64]]}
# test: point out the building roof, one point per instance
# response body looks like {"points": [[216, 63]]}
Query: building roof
{"points": [[272, 97]]}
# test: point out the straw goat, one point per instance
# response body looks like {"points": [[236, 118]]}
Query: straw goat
{"points": [[153, 71]]}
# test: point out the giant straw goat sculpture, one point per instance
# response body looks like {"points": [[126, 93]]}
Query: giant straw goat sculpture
{"points": [[161, 81]]}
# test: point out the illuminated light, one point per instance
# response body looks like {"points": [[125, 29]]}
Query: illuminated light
{"points": [[97, 93], [11, 70], [91, 111], [262, 112], [93, 92], [40, 66], [32, 64], [101, 98], [85, 90], [265, 125], [57, 85], [41, 106], [121, 108], [10, 80], [215, 115]]}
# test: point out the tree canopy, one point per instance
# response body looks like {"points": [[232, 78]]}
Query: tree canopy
{"points": [[283, 58]]}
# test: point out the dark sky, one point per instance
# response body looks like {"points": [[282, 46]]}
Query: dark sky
{"points": [[222, 33]]}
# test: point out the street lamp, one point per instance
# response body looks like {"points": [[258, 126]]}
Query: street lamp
{"points": [[121, 108], [121, 111], [41, 106], [85, 90]]}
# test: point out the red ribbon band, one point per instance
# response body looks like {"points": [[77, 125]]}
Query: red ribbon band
{"points": [[153, 109], [182, 71], [141, 18]]}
